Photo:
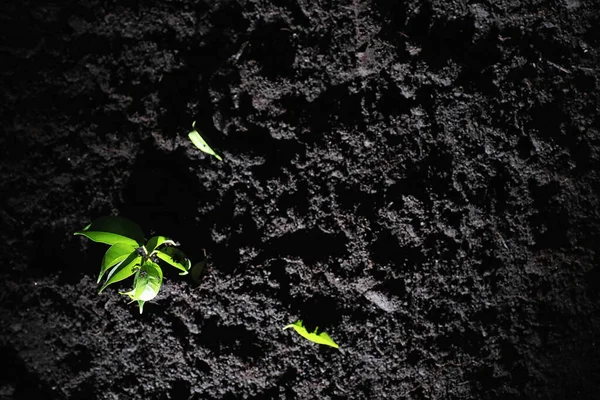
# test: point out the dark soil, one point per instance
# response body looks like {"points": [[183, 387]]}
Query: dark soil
{"points": [[419, 179]]}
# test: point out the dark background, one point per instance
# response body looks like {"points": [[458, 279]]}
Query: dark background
{"points": [[418, 178]]}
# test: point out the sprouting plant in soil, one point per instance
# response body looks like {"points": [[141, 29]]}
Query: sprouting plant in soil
{"points": [[128, 255], [200, 143], [320, 338]]}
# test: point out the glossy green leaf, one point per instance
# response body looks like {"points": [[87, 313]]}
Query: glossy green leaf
{"points": [[200, 143], [113, 230], [123, 271], [321, 338], [156, 241], [176, 258], [147, 283], [114, 255]]}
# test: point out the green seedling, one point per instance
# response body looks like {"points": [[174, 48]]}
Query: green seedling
{"points": [[127, 256], [320, 338], [200, 143]]}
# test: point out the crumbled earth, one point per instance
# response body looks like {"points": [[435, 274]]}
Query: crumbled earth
{"points": [[419, 179]]}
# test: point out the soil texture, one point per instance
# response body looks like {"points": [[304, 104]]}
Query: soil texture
{"points": [[419, 179]]}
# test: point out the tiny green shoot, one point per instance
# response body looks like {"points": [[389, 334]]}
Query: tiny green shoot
{"points": [[200, 143], [320, 338], [128, 256]]}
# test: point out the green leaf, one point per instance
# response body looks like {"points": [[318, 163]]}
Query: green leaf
{"points": [[176, 258], [123, 271], [198, 270], [115, 255], [147, 283], [200, 143], [157, 241], [321, 338], [113, 230]]}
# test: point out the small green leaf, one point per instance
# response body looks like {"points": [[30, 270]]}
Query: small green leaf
{"points": [[123, 271], [321, 338], [114, 255], [176, 258], [157, 241], [113, 230], [147, 283], [200, 143]]}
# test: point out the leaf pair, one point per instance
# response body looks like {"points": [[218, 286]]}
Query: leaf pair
{"points": [[123, 259]]}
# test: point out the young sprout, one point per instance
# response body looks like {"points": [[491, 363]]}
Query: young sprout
{"points": [[200, 143], [321, 338], [128, 255]]}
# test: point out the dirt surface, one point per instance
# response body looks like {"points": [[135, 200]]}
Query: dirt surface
{"points": [[418, 179]]}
